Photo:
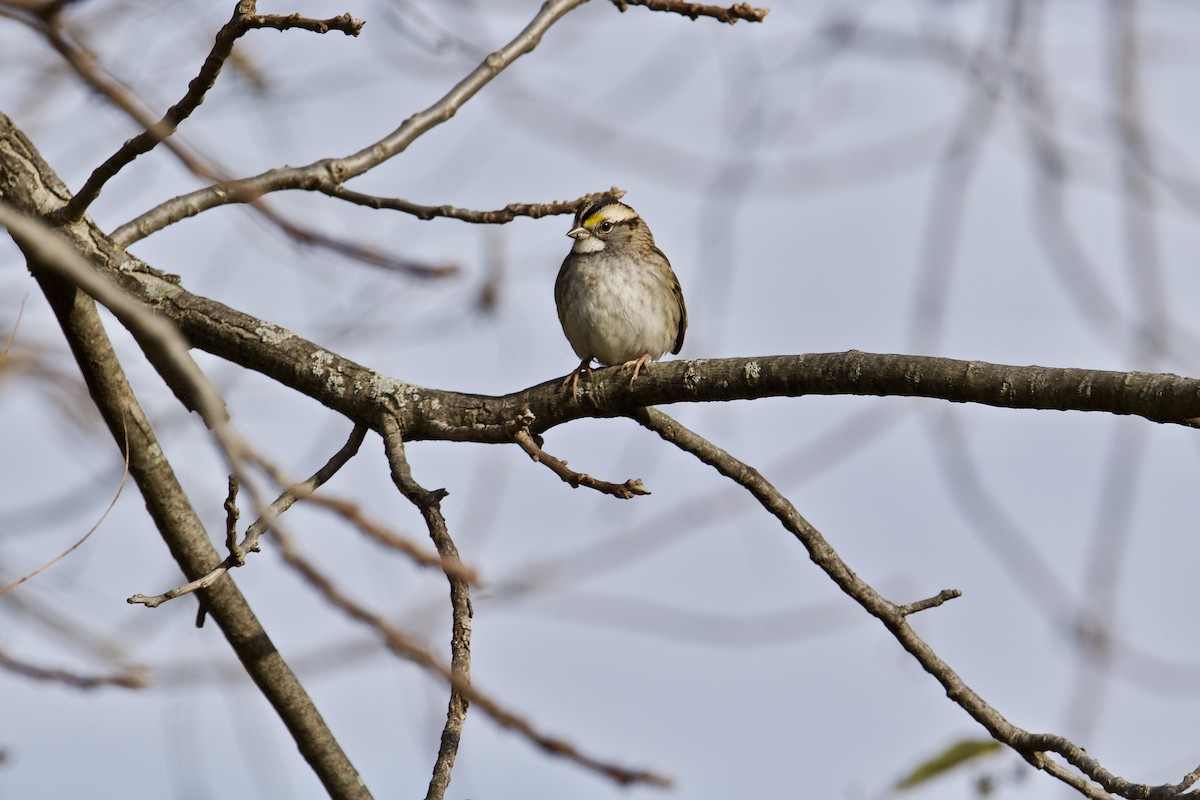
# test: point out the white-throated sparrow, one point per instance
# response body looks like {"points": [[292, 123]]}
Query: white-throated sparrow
{"points": [[618, 300]]}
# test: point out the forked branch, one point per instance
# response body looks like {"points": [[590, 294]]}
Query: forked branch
{"points": [[327, 174], [249, 544], [244, 20], [1092, 779]]}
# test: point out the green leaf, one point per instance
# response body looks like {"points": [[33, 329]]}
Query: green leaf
{"points": [[957, 754]]}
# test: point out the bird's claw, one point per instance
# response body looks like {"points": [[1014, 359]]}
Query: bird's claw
{"points": [[637, 364], [573, 377]]}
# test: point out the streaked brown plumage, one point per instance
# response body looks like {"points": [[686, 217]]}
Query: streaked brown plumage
{"points": [[618, 300]]}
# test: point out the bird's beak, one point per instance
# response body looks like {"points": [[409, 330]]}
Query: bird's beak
{"points": [[578, 233]]}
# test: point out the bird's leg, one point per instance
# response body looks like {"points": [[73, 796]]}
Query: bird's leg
{"points": [[573, 377], [637, 365]]}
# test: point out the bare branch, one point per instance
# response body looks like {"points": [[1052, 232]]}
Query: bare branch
{"points": [[353, 249], [1032, 747], [137, 678], [162, 342], [12, 335], [625, 491], [84, 538], [429, 504], [517, 430], [244, 20], [231, 519], [158, 131], [249, 543], [87, 66], [402, 646], [360, 393], [181, 529], [497, 217], [353, 514], [344, 23], [330, 173], [730, 15], [929, 602]]}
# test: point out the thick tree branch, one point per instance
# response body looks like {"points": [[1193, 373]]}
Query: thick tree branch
{"points": [[1033, 747], [32, 189], [189, 543], [360, 393], [161, 341]]}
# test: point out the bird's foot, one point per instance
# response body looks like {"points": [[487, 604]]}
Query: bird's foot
{"points": [[573, 377], [637, 364]]}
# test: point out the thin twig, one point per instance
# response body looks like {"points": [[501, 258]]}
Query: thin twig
{"points": [[249, 543], [344, 23], [929, 602], [625, 491], [12, 335], [74, 547], [429, 504], [401, 645], [87, 66], [350, 248], [137, 678], [1034, 748], [244, 20], [517, 430], [496, 217], [231, 519], [329, 173], [458, 675], [352, 513], [159, 131], [727, 14]]}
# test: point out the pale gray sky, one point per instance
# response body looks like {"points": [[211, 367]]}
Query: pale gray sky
{"points": [[804, 193]]}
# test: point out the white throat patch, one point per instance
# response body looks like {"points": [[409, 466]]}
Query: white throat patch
{"points": [[587, 244]]}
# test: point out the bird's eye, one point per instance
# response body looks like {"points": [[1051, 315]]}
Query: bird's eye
{"points": [[606, 226]]}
